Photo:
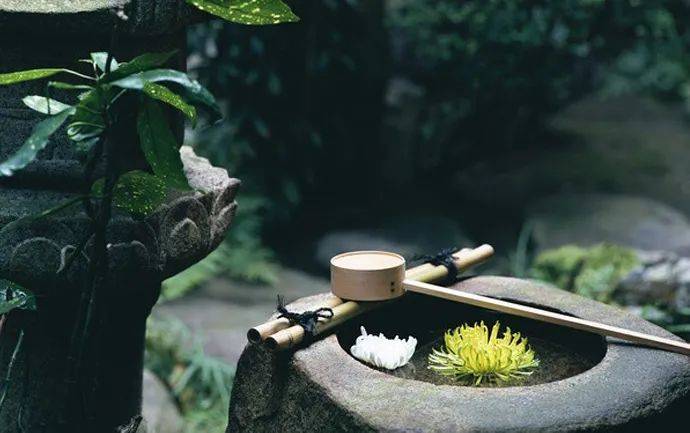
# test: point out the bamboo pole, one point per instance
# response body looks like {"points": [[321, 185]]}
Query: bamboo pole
{"points": [[292, 336], [261, 332], [546, 316], [425, 272]]}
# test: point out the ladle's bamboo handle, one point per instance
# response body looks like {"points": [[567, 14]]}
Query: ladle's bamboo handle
{"points": [[290, 337], [261, 332], [546, 316], [463, 259]]}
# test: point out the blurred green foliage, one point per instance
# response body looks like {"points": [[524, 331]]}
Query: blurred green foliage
{"points": [[303, 102], [306, 104], [593, 272], [676, 320], [200, 383], [495, 70], [300, 104]]}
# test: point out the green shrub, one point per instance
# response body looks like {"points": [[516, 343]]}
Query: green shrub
{"points": [[593, 272], [200, 383], [304, 103], [494, 70]]}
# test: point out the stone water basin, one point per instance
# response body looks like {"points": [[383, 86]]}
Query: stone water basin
{"points": [[586, 382]]}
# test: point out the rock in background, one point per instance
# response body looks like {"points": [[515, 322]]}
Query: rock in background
{"points": [[658, 234], [663, 278], [630, 221], [160, 410], [622, 145]]}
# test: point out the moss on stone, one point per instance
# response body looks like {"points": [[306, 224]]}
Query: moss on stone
{"points": [[593, 272]]}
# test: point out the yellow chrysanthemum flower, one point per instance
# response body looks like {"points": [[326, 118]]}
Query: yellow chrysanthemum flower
{"points": [[474, 354]]}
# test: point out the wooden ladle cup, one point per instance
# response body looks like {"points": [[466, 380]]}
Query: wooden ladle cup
{"points": [[379, 276], [281, 334]]}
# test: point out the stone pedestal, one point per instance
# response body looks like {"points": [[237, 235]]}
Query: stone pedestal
{"points": [[141, 252], [585, 382]]}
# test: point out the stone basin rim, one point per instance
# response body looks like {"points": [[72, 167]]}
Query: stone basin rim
{"points": [[628, 385]]}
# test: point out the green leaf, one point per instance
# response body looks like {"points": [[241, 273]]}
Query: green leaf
{"points": [[194, 91], [34, 144], [250, 12], [101, 58], [142, 63], [136, 192], [67, 86], [159, 145], [87, 122], [30, 75], [13, 296], [162, 93], [36, 74], [45, 105]]}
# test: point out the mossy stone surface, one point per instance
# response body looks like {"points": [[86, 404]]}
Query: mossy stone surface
{"points": [[321, 388], [58, 6], [21, 18]]}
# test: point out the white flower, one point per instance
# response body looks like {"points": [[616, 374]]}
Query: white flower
{"points": [[380, 351]]}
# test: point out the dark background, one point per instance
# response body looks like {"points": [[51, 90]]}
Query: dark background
{"points": [[367, 109], [412, 125]]}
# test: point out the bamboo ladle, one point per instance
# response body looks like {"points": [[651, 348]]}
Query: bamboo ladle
{"points": [[281, 334], [378, 276]]}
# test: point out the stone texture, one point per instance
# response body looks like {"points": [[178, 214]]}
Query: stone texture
{"points": [[587, 219], [663, 278], [93, 16], [400, 235], [321, 388], [179, 233], [61, 6], [159, 408], [142, 253]]}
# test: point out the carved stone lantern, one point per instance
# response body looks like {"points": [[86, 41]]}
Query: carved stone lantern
{"points": [[34, 34]]}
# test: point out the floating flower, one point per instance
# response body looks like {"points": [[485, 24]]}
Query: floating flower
{"points": [[474, 354], [382, 352]]}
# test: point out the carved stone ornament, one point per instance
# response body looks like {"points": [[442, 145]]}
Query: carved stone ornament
{"points": [[180, 233]]}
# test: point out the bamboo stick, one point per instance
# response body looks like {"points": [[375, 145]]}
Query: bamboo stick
{"points": [[292, 336], [425, 272], [546, 316], [259, 333]]}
